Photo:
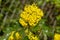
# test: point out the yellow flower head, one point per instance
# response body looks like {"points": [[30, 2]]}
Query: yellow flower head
{"points": [[34, 38], [30, 35], [18, 36], [57, 36], [31, 15], [14, 36], [11, 36]]}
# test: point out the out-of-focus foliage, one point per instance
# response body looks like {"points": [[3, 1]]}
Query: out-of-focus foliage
{"points": [[58, 24], [56, 2], [58, 20]]}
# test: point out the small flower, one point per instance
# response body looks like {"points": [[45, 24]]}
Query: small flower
{"points": [[18, 36], [57, 36], [11, 36], [14, 36], [22, 22], [31, 15], [30, 35]]}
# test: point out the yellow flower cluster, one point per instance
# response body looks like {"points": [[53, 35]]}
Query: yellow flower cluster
{"points": [[31, 15], [31, 36], [57, 36], [16, 37], [11, 36]]}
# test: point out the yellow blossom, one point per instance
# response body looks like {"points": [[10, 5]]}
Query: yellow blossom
{"points": [[22, 22], [34, 38], [18, 36], [30, 35], [11, 36], [57, 36], [31, 15], [14, 36]]}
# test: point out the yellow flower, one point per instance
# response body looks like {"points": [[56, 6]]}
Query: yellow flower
{"points": [[34, 38], [30, 35], [57, 36], [11, 36], [31, 15], [18, 36], [22, 22], [14, 36]]}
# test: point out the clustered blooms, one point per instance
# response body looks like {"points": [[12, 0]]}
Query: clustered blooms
{"points": [[30, 16], [30, 35], [16, 37], [57, 36]]}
